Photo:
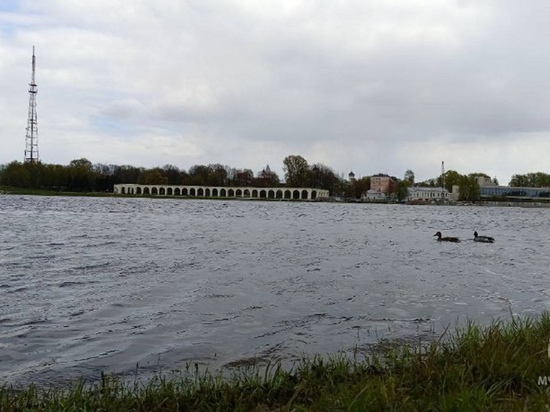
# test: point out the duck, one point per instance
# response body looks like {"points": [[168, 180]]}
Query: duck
{"points": [[446, 239], [484, 239]]}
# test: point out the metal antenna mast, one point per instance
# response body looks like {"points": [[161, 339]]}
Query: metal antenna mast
{"points": [[31, 141]]}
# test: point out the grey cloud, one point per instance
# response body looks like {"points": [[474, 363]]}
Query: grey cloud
{"points": [[358, 85]]}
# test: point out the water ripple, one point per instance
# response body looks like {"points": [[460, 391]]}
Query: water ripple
{"points": [[91, 285]]}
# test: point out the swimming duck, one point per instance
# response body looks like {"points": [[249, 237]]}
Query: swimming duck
{"points": [[484, 239], [446, 239]]}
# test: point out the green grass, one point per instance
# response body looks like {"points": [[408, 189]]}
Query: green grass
{"points": [[10, 190], [477, 369]]}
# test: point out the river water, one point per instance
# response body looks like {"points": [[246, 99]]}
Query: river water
{"points": [[105, 284]]}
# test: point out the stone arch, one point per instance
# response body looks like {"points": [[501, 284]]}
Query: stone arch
{"points": [[209, 191]]}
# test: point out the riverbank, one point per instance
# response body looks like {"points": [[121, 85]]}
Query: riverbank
{"points": [[502, 366], [9, 190]]}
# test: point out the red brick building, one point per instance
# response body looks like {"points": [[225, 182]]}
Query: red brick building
{"points": [[383, 183]]}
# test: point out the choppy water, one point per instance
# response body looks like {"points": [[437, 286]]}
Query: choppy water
{"points": [[103, 284]]}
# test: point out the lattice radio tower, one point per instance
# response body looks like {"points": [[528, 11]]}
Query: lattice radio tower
{"points": [[31, 141]]}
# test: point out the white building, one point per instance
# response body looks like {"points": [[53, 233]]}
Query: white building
{"points": [[373, 195], [484, 181], [428, 194]]}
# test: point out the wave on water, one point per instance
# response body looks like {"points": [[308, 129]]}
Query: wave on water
{"points": [[93, 285]]}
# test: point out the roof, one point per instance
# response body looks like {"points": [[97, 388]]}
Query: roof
{"points": [[427, 189]]}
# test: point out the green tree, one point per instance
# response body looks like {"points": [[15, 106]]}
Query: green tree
{"points": [[409, 176], [198, 175], [56, 177], [172, 174], [153, 176], [519, 181], [323, 177], [243, 177], [103, 177], [359, 186], [81, 176], [469, 188], [83, 164], [127, 174], [340, 188], [538, 179], [402, 189], [16, 174], [297, 171], [452, 177], [218, 174]]}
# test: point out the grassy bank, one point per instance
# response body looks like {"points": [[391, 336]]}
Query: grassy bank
{"points": [[501, 367], [9, 190]]}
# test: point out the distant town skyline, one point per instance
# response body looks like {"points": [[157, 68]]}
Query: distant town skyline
{"points": [[369, 87]]}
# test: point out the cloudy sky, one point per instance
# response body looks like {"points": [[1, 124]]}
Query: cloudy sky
{"points": [[364, 85]]}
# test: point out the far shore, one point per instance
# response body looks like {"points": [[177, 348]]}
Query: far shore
{"points": [[6, 190]]}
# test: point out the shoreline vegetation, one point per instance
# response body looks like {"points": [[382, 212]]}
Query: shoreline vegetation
{"points": [[83, 176], [502, 366], [9, 190]]}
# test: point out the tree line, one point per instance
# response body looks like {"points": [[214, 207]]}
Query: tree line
{"points": [[538, 179], [468, 186], [81, 175]]}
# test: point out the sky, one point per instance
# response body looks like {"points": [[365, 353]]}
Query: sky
{"points": [[369, 86]]}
